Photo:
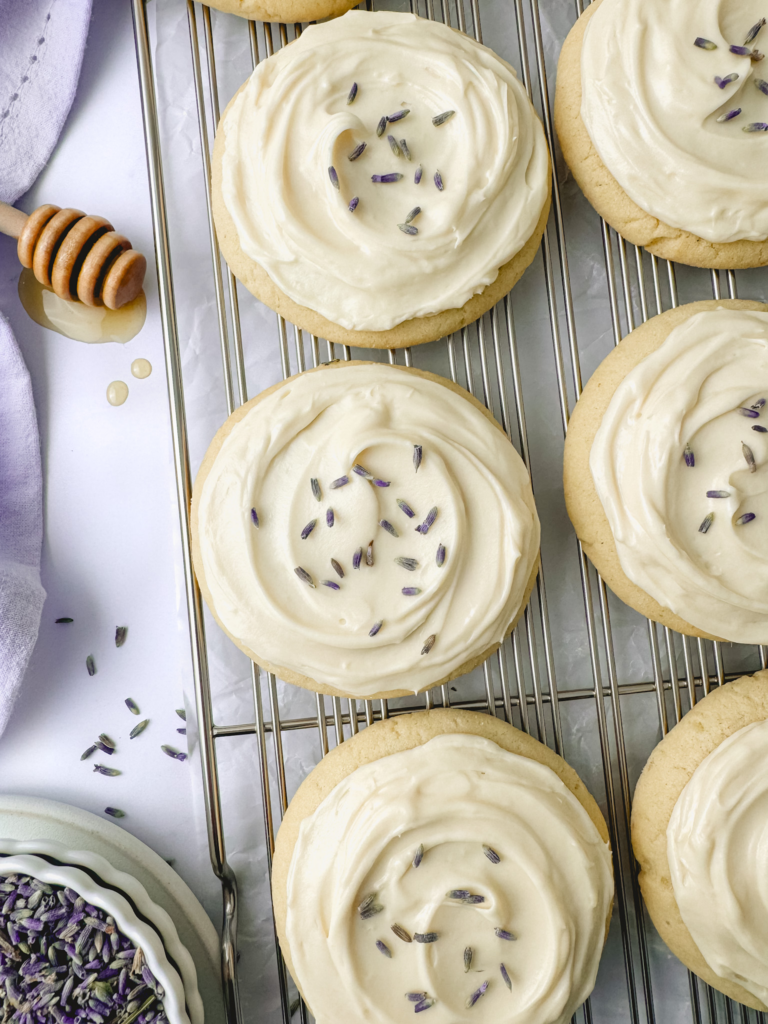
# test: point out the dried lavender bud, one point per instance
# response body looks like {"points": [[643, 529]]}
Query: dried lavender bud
{"points": [[87, 753], [704, 44], [385, 525], [176, 754], [121, 632], [756, 126], [722, 82], [756, 56], [413, 214], [404, 149], [314, 483], [405, 507], [401, 933], [760, 430], [408, 229], [688, 456], [182, 732], [139, 729], [425, 937], [114, 812], [762, 85], [339, 482], [418, 857], [415, 997], [440, 556], [502, 933], [718, 494], [383, 948], [105, 748], [353, 204], [407, 563], [752, 34], [308, 529], [417, 456], [740, 51], [357, 558], [442, 118], [329, 517], [334, 178], [375, 628], [331, 584], [749, 457], [410, 591], [357, 151], [439, 181], [468, 954], [729, 116], [132, 706], [362, 471], [393, 145], [369, 554], [398, 116], [90, 665], [369, 907], [381, 483], [746, 518], [304, 576], [254, 518], [352, 94], [431, 517], [706, 522], [385, 179], [751, 414], [477, 994], [758, 404], [65, 619], [464, 896], [381, 126], [182, 714], [429, 643], [337, 568], [424, 1005], [417, 175], [103, 770], [505, 976], [491, 854]]}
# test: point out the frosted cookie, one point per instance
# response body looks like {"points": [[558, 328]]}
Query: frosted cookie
{"points": [[365, 529], [699, 822], [442, 861], [662, 113], [666, 470], [287, 11], [382, 181]]}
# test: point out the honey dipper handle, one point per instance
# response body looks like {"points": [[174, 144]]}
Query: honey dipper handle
{"points": [[11, 220]]}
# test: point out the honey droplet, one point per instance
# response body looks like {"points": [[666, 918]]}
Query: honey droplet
{"points": [[117, 392], [141, 368]]}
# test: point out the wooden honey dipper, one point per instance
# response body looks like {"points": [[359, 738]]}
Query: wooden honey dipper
{"points": [[76, 256]]}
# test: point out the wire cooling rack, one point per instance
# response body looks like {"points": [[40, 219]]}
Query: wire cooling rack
{"points": [[520, 682]]}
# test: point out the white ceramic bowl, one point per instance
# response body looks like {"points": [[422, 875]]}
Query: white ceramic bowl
{"points": [[112, 902]]}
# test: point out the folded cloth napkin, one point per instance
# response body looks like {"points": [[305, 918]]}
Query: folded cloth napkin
{"points": [[41, 50], [21, 521]]}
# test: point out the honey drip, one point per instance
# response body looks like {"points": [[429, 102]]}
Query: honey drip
{"points": [[91, 324]]}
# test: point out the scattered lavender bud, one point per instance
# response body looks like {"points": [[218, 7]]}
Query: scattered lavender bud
{"points": [[331, 584], [181, 712], [375, 628], [688, 456], [465, 896], [746, 518], [121, 632], [417, 456], [334, 178], [408, 229], [385, 525], [706, 522], [139, 729], [381, 483], [337, 568], [439, 181], [182, 731], [362, 471], [756, 126], [369, 554], [431, 517], [477, 994], [760, 430], [407, 563], [440, 556], [442, 118], [352, 94], [105, 748], [103, 770], [417, 175], [308, 529], [357, 151], [304, 576], [405, 507], [404, 150], [353, 204], [468, 954], [255, 518], [415, 997], [413, 214], [429, 643], [339, 482], [704, 44], [90, 665], [425, 937], [175, 754], [401, 933], [418, 857], [398, 116], [384, 948], [491, 854], [758, 404], [740, 51], [729, 116], [718, 494], [385, 179], [752, 34], [502, 933], [315, 485], [65, 619], [749, 457], [357, 558], [369, 907], [424, 1005], [132, 706], [114, 812], [505, 976], [751, 414], [87, 753], [410, 591], [393, 145], [329, 517], [381, 126], [722, 82], [762, 85]]}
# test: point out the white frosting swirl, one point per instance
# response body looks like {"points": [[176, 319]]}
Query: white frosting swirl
{"points": [[689, 391], [552, 889], [650, 104], [292, 121], [717, 847], [320, 425]]}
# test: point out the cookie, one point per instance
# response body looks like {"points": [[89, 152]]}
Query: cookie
{"points": [[646, 130], [662, 469], [365, 530], [288, 11], [704, 887], [367, 192], [442, 858]]}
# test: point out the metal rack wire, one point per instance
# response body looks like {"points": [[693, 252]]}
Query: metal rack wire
{"points": [[519, 682]]}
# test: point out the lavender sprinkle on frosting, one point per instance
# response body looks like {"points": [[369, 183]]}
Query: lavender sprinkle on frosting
{"points": [[477, 994], [758, 404], [429, 643], [408, 229], [357, 558], [315, 485], [177, 755], [464, 896], [337, 568], [749, 457], [385, 525], [418, 857], [751, 414], [753, 32], [393, 145], [439, 181], [417, 175], [329, 517], [688, 456], [425, 937], [352, 94], [756, 126], [760, 430], [740, 51], [729, 116], [442, 118], [334, 178], [330, 584], [398, 116], [401, 933], [353, 204], [405, 507], [404, 149], [431, 517], [723, 82], [423, 1005], [491, 854], [706, 522], [413, 214], [304, 576], [375, 628], [362, 471], [704, 44], [440, 556], [505, 976], [385, 179], [468, 954], [762, 85], [407, 563], [308, 529], [415, 997], [381, 127], [369, 907], [369, 554], [502, 933], [384, 948], [410, 591], [746, 518], [381, 483], [339, 482], [718, 494], [357, 151], [417, 456]]}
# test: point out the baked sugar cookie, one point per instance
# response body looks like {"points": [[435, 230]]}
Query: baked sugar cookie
{"points": [[365, 530], [442, 861], [287, 11], [666, 470], [382, 181], [699, 823], [661, 110]]}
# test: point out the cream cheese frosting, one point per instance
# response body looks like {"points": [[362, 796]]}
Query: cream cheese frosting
{"points": [[471, 847], [717, 847], [367, 632], [292, 122], [653, 110], [684, 439]]}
